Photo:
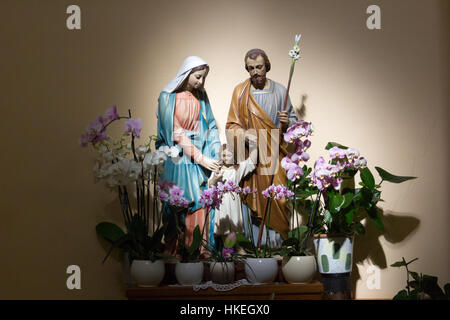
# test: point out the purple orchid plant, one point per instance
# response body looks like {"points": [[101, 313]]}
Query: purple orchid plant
{"points": [[123, 164], [343, 206], [327, 191], [273, 192], [211, 199]]}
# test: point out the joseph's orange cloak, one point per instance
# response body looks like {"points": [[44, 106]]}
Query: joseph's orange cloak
{"points": [[244, 114]]}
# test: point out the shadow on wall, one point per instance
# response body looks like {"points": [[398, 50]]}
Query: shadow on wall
{"points": [[397, 226]]}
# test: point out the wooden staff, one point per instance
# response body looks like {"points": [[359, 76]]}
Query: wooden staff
{"points": [[294, 53]]}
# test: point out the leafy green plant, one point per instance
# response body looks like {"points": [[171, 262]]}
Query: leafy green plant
{"points": [[327, 192], [136, 241], [224, 251], [191, 253], [127, 165], [252, 250], [344, 206], [421, 286], [296, 243]]}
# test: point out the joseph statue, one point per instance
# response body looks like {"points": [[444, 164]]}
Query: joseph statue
{"points": [[257, 107]]}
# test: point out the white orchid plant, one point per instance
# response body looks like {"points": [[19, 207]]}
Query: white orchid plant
{"points": [[123, 164]]}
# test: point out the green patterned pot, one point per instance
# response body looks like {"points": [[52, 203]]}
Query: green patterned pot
{"points": [[334, 253], [335, 261]]}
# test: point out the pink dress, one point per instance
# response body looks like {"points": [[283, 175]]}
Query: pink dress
{"points": [[186, 118]]}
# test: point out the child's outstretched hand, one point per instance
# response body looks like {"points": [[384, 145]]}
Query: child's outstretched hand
{"points": [[215, 178]]}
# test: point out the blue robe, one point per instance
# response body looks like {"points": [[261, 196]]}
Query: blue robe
{"points": [[187, 175]]}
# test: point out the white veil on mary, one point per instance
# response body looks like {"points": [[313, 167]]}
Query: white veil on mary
{"points": [[188, 64]]}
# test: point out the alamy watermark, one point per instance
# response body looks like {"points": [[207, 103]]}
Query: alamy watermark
{"points": [[73, 22], [74, 280], [374, 20]]}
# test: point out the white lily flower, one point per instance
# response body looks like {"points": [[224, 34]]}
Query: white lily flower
{"points": [[294, 55], [295, 52]]}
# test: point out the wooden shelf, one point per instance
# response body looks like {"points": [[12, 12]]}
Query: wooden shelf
{"points": [[280, 291]]}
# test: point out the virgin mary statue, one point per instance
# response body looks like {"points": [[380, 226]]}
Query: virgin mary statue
{"points": [[185, 120]]}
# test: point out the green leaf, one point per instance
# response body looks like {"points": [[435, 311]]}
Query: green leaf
{"points": [[290, 242], [367, 178], [392, 178], [359, 228], [376, 196], [158, 235], [401, 295], [327, 217], [415, 275], [285, 251], [196, 241], [298, 233], [336, 202], [398, 264], [349, 216], [348, 198], [109, 231], [304, 194], [414, 284], [430, 286], [447, 291], [375, 217], [334, 144], [245, 243], [117, 244], [240, 238]]}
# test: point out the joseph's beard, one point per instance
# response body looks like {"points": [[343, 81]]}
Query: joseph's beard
{"points": [[258, 82]]}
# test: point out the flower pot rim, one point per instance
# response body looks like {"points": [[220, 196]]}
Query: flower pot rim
{"points": [[313, 256], [147, 260], [333, 235], [261, 258]]}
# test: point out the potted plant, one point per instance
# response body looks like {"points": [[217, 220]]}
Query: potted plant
{"points": [[299, 264], [124, 166], [340, 208], [336, 206], [189, 270], [222, 259], [422, 286], [221, 254], [260, 265]]}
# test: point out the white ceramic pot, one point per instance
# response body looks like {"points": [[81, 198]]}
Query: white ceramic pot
{"points": [[222, 272], [261, 270], [334, 253], [299, 269], [189, 273], [147, 273]]}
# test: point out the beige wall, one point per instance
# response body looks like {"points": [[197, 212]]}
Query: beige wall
{"points": [[383, 92]]}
